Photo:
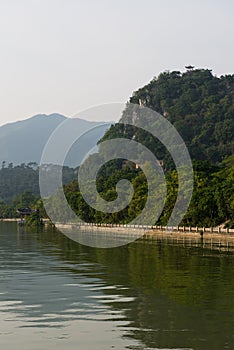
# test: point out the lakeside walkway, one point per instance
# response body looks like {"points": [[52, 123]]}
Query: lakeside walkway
{"points": [[202, 231], [218, 237]]}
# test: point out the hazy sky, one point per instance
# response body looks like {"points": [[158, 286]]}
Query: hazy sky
{"points": [[67, 55]]}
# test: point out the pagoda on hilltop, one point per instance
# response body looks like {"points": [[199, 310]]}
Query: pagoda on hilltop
{"points": [[189, 68]]}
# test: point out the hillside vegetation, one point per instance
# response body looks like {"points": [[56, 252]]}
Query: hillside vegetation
{"points": [[19, 186], [201, 107]]}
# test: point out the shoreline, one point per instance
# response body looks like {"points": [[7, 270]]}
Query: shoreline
{"points": [[155, 232], [187, 235], [214, 241], [207, 235], [18, 220]]}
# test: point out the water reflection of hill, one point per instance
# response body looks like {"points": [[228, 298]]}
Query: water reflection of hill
{"points": [[182, 295], [160, 295]]}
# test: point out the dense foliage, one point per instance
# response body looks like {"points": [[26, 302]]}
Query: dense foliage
{"points": [[212, 201], [199, 105], [15, 180], [19, 186]]}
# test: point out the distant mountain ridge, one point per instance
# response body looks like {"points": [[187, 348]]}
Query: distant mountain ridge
{"points": [[24, 141]]}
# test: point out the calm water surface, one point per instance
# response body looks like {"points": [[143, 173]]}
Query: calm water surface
{"points": [[57, 294]]}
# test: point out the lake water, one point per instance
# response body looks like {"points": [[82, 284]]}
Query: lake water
{"points": [[150, 294]]}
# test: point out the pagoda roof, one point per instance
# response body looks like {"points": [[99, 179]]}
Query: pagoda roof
{"points": [[25, 211]]}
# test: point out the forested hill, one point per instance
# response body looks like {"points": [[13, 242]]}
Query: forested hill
{"points": [[18, 179], [200, 106]]}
